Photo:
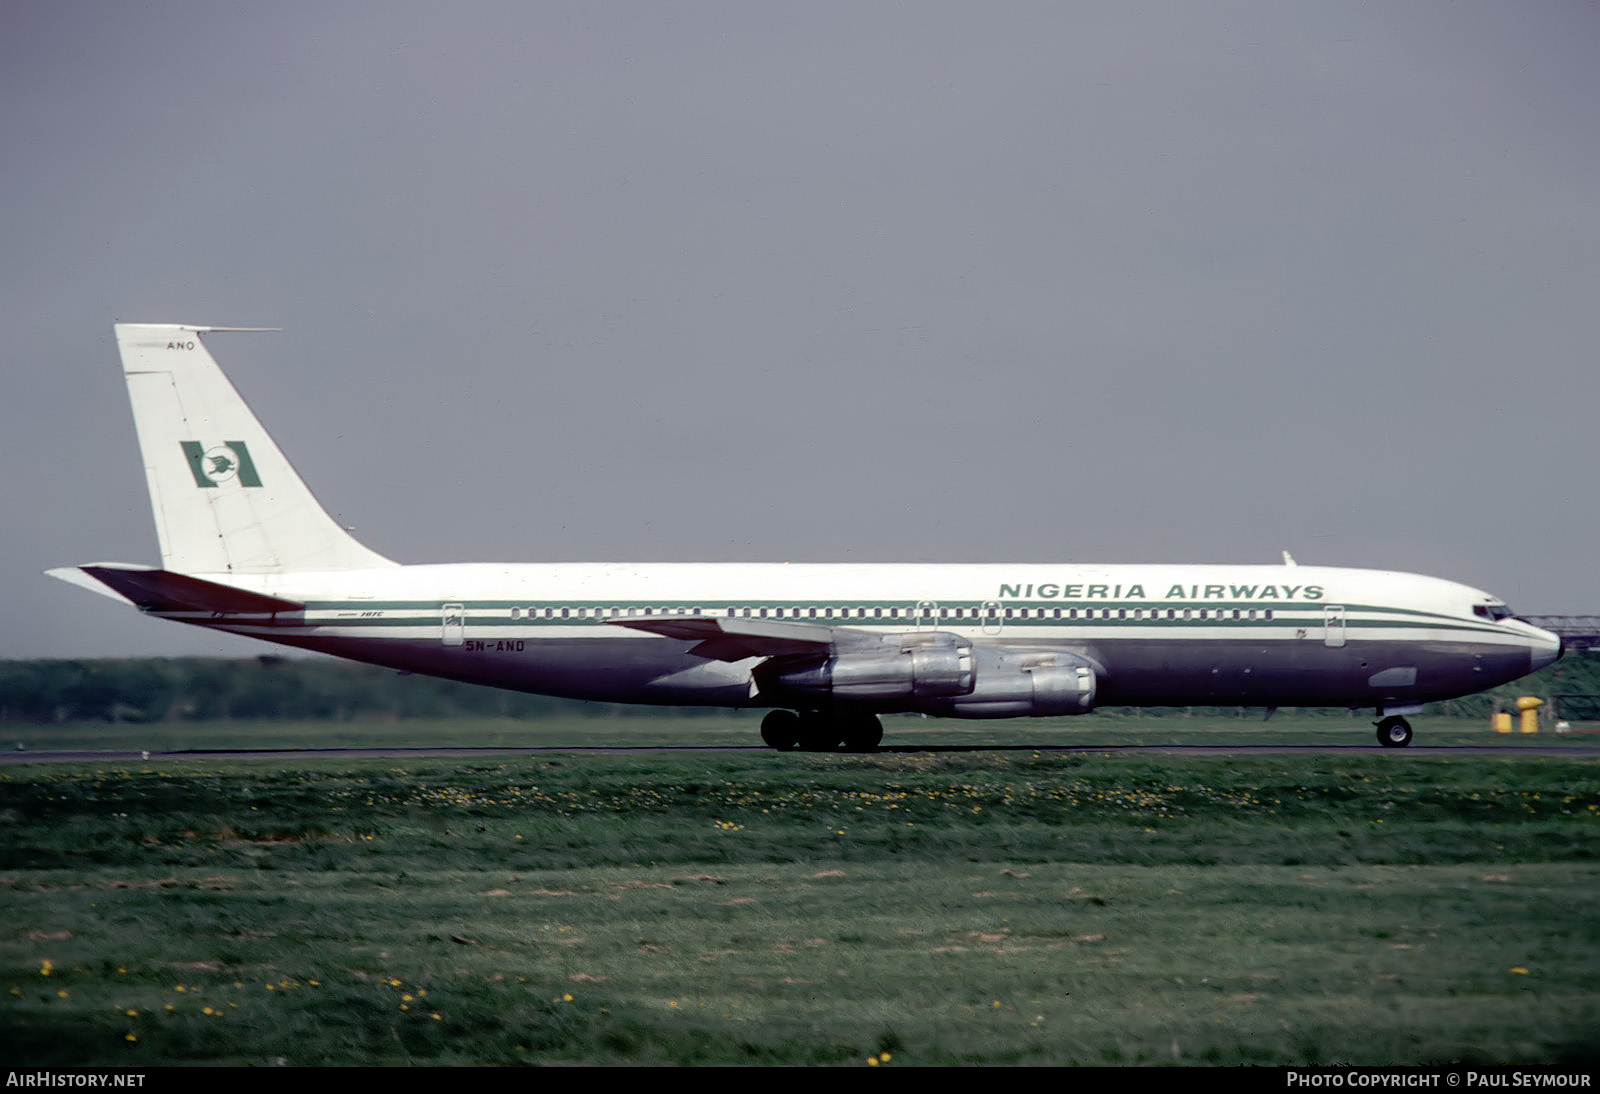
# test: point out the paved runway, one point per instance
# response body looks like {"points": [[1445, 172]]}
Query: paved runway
{"points": [[13, 759]]}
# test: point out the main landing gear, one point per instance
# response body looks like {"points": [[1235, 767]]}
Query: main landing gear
{"points": [[816, 731], [1394, 732]]}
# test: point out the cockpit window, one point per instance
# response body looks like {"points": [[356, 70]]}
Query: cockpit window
{"points": [[1492, 612]]}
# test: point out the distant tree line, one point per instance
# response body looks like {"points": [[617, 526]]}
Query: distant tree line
{"points": [[280, 688], [181, 689]]}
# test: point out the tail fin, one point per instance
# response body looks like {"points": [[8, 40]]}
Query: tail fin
{"points": [[225, 499]]}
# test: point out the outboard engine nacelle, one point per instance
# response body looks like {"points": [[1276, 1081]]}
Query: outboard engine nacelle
{"points": [[1015, 683], [924, 666]]}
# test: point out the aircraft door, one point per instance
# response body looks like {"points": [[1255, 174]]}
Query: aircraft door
{"points": [[927, 615], [453, 618], [1333, 625]]}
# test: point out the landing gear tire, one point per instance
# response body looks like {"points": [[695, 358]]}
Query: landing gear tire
{"points": [[780, 729], [862, 733], [819, 733], [1394, 733], [814, 731]]}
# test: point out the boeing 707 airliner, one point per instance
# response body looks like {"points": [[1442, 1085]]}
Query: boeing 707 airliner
{"points": [[246, 548]]}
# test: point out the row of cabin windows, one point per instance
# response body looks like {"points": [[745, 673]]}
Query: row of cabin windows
{"points": [[985, 614]]}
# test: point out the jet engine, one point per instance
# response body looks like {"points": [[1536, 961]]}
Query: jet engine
{"points": [[937, 673], [1020, 683], [922, 666]]}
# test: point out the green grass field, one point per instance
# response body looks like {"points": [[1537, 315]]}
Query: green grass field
{"points": [[1008, 907]]}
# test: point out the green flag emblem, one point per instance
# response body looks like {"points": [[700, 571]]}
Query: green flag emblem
{"points": [[225, 462]]}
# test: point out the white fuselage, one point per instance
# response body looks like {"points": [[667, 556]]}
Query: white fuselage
{"points": [[1251, 635]]}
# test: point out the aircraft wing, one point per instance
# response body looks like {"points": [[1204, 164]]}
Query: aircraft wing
{"points": [[164, 591], [725, 639]]}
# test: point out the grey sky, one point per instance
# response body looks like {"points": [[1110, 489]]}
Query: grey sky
{"points": [[860, 281]]}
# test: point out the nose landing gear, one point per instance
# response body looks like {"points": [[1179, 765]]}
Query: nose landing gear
{"points": [[1394, 732]]}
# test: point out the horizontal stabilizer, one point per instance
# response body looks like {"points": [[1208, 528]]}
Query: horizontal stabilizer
{"points": [[164, 591]]}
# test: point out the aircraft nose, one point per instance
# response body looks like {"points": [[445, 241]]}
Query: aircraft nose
{"points": [[1545, 649]]}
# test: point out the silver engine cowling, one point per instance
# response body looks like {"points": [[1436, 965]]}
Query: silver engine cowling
{"points": [[1020, 683], [921, 667], [938, 673]]}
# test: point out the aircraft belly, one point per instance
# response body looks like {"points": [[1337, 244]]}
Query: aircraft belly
{"points": [[1145, 672], [613, 670]]}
